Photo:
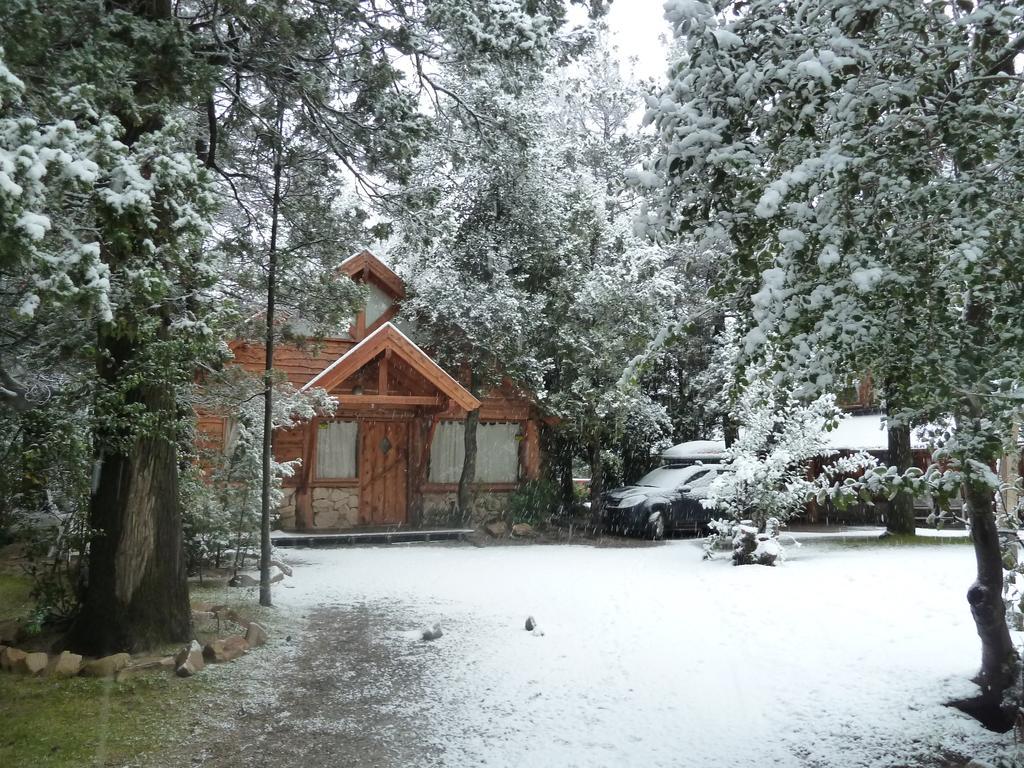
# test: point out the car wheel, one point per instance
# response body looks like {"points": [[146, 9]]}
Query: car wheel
{"points": [[656, 529]]}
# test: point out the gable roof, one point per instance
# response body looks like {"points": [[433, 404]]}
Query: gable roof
{"points": [[389, 337], [364, 260]]}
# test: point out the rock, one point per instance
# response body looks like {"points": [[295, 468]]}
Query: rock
{"points": [[256, 635], [276, 575], [226, 649], [530, 623], [66, 665], [230, 614], [497, 529], [523, 529], [285, 568], [32, 664], [243, 580], [108, 666], [144, 665], [189, 660], [10, 657], [433, 634]]}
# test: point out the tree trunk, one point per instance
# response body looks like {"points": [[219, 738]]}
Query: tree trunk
{"points": [[559, 466], [268, 379], [730, 430], [468, 466], [596, 486], [424, 425], [998, 655], [136, 596], [901, 510], [136, 592]]}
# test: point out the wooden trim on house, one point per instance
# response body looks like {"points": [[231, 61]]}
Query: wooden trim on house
{"points": [[389, 337], [486, 487], [388, 401], [364, 264]]}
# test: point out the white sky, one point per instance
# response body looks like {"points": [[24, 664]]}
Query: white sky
{"points": [[639, 30]]}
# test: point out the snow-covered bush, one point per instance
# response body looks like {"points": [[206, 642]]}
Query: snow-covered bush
{"points": [[767, 465], [749, 546]]}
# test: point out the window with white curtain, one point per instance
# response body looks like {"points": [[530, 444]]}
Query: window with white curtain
{"points": [[447, 452], [336, 450], [497, 452]]}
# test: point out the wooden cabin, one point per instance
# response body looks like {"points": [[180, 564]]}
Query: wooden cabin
{"points": [[392, 453]]}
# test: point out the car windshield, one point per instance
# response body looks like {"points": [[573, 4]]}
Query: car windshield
{"points": [[670, 477], [701, 479]]}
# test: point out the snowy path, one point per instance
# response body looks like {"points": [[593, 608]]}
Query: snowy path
{"points": [[650, 658]]}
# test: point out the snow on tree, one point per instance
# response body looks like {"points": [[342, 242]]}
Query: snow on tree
{"points": [[527, 266], [119, 119], [117, 209], [768, 464], [224, 506], [863, 162]]}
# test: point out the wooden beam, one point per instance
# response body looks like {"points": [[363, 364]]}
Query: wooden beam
{"points": [[386, 401], [382, 372], [413, 356], [360, 330]]}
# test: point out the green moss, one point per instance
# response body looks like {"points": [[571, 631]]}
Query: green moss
{"points": [[82, 721]]}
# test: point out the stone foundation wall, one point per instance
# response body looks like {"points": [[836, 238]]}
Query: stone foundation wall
{"points": [[439, 508], [335, 507], [286, 512], [339, 508]]}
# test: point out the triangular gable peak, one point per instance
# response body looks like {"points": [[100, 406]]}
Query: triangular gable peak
{"points": [[366, 268], [388, 342]]}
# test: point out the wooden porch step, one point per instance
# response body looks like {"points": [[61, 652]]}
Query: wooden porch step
{"points": [[343, 538]]}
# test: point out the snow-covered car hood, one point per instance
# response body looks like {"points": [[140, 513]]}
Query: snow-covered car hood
{"points": [[646, 491]]}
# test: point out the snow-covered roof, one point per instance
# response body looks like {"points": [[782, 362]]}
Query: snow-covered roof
{"points": [[866, 433], [695, 450]]}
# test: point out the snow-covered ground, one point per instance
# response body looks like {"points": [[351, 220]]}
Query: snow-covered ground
{"points": [[651, 657]]}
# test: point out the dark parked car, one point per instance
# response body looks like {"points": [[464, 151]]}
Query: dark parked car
{"points": [[665, 500]]}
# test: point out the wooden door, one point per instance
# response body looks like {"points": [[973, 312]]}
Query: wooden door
{"points": [[383, 472]]}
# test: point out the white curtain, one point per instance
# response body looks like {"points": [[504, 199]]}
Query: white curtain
{"points": [[497, 452], [447, 452], [336, 449], [497, 459]]}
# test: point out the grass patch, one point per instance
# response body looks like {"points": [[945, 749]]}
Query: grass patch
{"points": [[902, 540], [15, 602], [82, 721]]}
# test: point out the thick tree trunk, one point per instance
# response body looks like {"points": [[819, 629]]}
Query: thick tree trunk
{"points": [[465, 500], [137, 590], [596, 486], [901, 510], [136, 593], [998, 656]]}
